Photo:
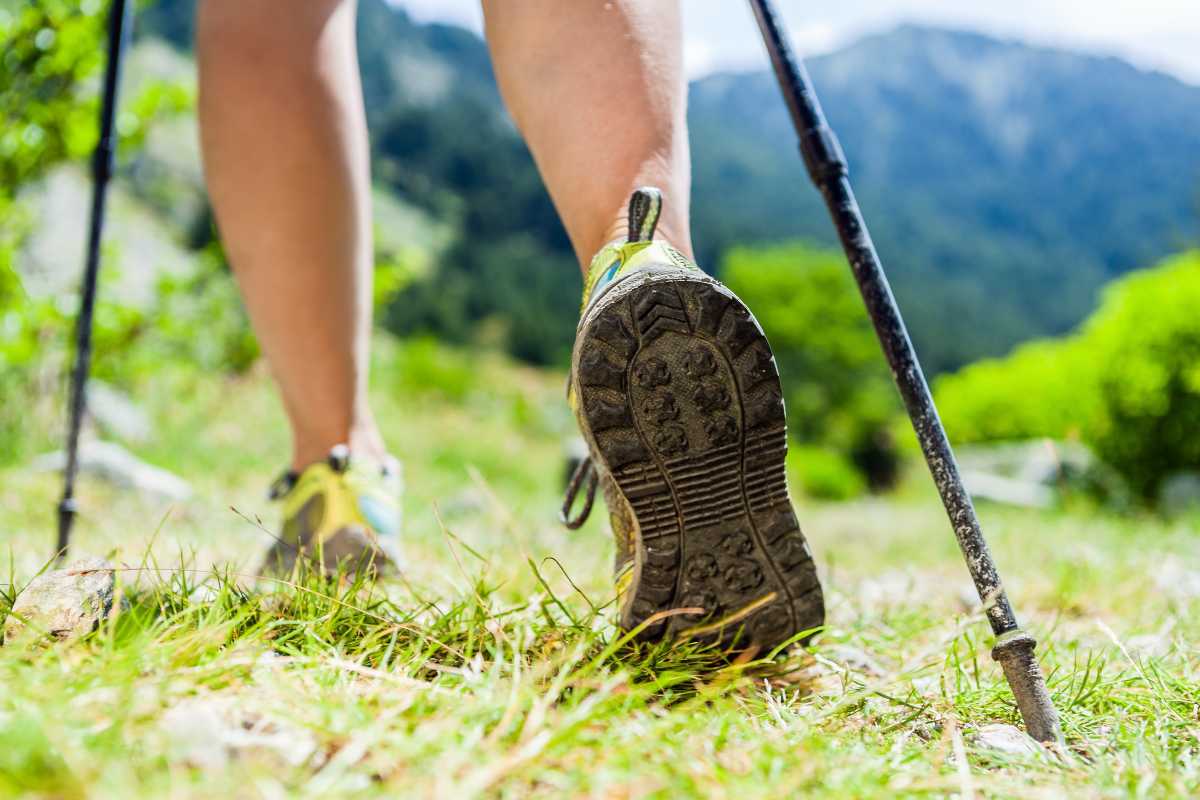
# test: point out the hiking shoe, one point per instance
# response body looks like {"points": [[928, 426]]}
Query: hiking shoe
{"points": [[678, 397], [338, 515]]}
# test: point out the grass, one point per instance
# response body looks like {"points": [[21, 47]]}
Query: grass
{"points": [[494, 670]]}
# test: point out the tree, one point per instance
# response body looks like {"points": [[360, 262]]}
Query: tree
{"points": [[838, 390]]}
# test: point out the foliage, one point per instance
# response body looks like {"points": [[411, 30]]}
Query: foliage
{"points": [[52, 55], [1127, 383], [1044, 388], [509, 275], [837, 387], [48, 53], [1004, 185], [1146, 339], [825, 474], [52, 49], [944, 168]]}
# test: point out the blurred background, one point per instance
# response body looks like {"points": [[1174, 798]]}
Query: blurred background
{"points": [[1031, 176]]}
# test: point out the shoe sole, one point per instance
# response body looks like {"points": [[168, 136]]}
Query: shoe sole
{"points": [[681, 400]]}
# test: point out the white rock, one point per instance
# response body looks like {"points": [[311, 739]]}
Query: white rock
{"points": [[1180, 494], [1006, 740], [1176, 578], [854, 659], [1012, 491], [63, 603], [196, 734], [117, 413], [886, 589], [207, 733], [121, 468]]}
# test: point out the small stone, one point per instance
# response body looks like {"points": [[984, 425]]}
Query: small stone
{"points": [[208, 733], [64, 603], [196, 733], [1177, 578], [854, 659], [1007, 741], [1180, 494]]}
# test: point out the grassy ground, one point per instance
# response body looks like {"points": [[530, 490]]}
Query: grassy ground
{"points": [[493, 670]]}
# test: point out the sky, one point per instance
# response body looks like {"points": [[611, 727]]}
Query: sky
{"points": [[721, 35]]}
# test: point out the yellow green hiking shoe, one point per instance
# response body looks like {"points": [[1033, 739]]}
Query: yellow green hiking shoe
{"points": [[678, 397], [339, 515]]}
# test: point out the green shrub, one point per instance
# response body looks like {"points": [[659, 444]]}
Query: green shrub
{"points": [[838, 390], [825, 474], [1127, 383], [1045, 388], [423, 365], [1146, 341]]}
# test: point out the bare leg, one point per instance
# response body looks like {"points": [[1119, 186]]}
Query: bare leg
{"points": [[597, 89], [286, 160]]}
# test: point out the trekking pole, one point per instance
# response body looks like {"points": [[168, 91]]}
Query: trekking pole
{"points": [[827, 167], [102, 168]]}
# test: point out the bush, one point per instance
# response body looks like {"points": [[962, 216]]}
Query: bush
{"points": [[1146, 342], [1045, 388], [838, 390], [1127, 383], [825, 474]]}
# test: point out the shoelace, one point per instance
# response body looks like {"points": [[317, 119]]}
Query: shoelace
{"points": [[586, 470]]}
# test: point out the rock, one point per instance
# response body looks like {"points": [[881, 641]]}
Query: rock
{"points": [[1033, 473], [116, 412], [1149, 644], [209, 732], [1006, 741], [887, 589], [196, 733], [50, 262], [854, 659], [64, 603], [121, 468], [1177, 578], [1180, 494], [1010, 491], [967, 597]]}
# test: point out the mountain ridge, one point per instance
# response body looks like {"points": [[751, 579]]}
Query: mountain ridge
{"points": [[966, 151], [1004, 183]]}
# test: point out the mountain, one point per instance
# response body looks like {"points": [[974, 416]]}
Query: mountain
{"points": [[1004, 184]]}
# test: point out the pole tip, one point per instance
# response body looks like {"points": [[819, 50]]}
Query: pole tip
{"points": [[1014, 651]]}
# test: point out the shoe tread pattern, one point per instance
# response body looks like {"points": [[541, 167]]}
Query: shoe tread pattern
{"points": [[681, 397]]}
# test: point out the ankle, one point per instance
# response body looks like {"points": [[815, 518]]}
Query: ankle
{"points": [[363, 439], [672, 228]]}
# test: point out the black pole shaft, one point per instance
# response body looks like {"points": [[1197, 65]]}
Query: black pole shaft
{"points": [[828, 169], [102, 168]]}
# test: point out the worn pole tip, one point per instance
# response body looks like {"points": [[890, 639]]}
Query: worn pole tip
{"points": [[1014, 651]]}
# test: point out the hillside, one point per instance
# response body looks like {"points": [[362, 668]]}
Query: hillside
{"points": [[1004, 184]]}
